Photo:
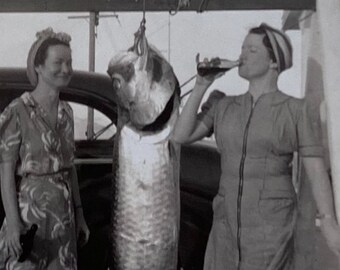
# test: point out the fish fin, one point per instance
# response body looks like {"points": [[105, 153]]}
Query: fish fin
{"points": [[122, 119]]}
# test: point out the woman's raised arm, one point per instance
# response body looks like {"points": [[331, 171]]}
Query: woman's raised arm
{"points": [[187, 128]]}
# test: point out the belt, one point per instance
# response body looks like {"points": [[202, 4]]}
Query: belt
{"points": [[58, 174]]}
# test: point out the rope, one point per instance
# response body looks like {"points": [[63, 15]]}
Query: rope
{"points": [[189, 80], [143, 20], [139, 45], [185, 83], [187, 93]]}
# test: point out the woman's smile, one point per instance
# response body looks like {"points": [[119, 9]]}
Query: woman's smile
{"points": [[57, 69]]}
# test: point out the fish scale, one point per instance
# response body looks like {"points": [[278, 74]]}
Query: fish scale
{"points": [[146, 214]]}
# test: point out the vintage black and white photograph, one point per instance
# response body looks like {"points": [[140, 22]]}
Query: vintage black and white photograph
{"points": [[169, 135]]}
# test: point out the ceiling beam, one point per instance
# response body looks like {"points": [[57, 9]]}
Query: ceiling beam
{"points": [[151, 5]]}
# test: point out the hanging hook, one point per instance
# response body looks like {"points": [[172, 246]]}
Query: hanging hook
{"points": [[141, 30], [144, 10], [140, 42]]}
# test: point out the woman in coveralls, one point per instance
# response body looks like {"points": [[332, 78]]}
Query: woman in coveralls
{"points": [[37, 143], [256, 134]]}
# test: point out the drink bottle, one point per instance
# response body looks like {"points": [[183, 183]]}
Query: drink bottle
{"points": [[26, 242], [214, 66]]}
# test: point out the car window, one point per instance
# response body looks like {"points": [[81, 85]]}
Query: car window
{"points": [[103, 127]]}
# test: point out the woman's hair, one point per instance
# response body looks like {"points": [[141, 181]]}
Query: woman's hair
{"points": [[38, 51], [41, 55], [278, 45], [260, 30]]}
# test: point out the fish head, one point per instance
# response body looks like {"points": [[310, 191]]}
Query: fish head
{"points": [[143, 82]]}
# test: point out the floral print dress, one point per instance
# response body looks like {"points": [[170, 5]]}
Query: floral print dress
{"points": [[44, 157]]}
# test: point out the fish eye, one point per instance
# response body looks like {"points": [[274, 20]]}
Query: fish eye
{"points": [[116, 83]]}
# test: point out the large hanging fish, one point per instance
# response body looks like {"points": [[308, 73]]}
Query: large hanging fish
{"points": [[145, 217]]}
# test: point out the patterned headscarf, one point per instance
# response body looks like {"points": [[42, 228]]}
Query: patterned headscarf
{"points": [[281, 45], [42, 36]]}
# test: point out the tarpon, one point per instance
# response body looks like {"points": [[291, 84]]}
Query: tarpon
{"points": [[145, 216]]}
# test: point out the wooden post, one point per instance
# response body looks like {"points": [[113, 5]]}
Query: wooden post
{"points": [[92, 49]]}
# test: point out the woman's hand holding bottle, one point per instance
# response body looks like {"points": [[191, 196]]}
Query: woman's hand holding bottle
{"points": [[12, 240], [210, 70]]}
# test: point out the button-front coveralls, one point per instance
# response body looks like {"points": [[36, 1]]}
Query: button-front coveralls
{"points": [[254, 210]]}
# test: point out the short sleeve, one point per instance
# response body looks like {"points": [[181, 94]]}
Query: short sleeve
{"points": [[208, 109], [310, 144], [10, 134]]}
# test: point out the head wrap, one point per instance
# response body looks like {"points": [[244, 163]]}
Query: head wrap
{"points": [[281, 45], [42, 36]]}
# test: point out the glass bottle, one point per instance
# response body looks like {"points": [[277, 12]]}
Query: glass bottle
{"points": [[215, 65], [26, 242]]}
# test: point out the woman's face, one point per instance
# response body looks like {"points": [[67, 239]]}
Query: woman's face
{"points": [[57, 68], [254, 58]]}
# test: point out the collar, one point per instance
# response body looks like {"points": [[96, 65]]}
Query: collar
{"points": [[31, 102], [28, 100], [274, 98]]}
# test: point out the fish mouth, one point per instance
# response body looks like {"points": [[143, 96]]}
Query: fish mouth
{"points": [[146, 113], [163, 118], [144, 119]]}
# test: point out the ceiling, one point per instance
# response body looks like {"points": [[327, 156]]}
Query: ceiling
{"points": [[150, 5]]}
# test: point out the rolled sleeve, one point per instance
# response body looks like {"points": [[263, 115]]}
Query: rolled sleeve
{"points": [[208, 109], [308, 134], [10, 135]]}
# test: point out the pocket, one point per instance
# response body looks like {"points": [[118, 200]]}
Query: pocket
{"points": [[276, 207]]}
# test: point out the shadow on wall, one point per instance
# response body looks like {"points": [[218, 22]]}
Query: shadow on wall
{"points": [[316, 101], [305, 239]]}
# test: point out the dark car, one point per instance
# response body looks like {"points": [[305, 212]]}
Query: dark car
{"points": [[199, 168]]}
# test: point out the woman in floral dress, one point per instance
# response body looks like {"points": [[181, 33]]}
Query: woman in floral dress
{"points": [[37, 144]]}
